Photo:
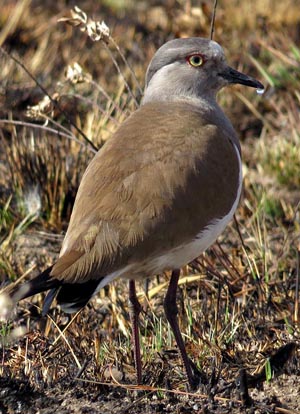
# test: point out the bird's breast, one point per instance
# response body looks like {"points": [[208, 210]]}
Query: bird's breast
{"points": [[180, 255]]}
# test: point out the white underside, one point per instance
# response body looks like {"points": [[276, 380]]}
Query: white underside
{"points": [[179, 256]]}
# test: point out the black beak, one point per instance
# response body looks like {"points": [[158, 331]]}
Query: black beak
{"points": [[234, 76]]}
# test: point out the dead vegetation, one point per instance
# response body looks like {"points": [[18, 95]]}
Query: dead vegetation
{"points": [[239, 302]]}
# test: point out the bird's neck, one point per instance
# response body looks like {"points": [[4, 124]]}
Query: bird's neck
{"points": [[206, 103]]}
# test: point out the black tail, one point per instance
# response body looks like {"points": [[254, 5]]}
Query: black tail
{"points": [[71, 297], [39, 284]]}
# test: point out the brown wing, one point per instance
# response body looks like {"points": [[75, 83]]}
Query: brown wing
{"points": [[152, 173]]}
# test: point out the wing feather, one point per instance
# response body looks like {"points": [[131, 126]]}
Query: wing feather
{"points": [[136, 184]]}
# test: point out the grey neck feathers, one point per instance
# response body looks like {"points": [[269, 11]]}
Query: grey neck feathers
{"points": [[166, 85], [159, 90]]}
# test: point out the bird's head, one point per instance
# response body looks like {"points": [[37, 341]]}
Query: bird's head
{"points": [[190, 68]]}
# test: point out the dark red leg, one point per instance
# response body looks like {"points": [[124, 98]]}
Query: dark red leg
{"points": [[135, 309], [171, 312]]}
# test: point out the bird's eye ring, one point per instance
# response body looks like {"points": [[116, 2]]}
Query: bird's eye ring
{"points": [[195, 60]]}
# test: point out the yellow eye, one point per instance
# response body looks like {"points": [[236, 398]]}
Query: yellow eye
{"points": [[195, 60]]}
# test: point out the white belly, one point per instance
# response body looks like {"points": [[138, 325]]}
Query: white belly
{"points": [[184, 254]]}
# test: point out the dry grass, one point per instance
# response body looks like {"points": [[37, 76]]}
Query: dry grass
{"points": [[239, 302]]}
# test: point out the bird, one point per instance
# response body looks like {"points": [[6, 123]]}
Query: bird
{"points": [[158, 193]]}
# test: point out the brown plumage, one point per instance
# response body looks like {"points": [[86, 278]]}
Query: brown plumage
{"points": [[137, 187], [159, 191]]}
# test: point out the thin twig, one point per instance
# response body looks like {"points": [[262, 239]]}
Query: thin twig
{"points": [[212, 25], [98, 106], [226, 262], [121, 74], [252, 108], [63, 336], [296, 310], [19, 280], [239, 232], [45, 128], [106, 95], [53, 101], [151, 390], [127, 64]]}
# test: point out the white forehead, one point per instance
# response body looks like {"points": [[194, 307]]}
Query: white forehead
{"points": [[216, 49], [176, 50], [192, 45]]}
